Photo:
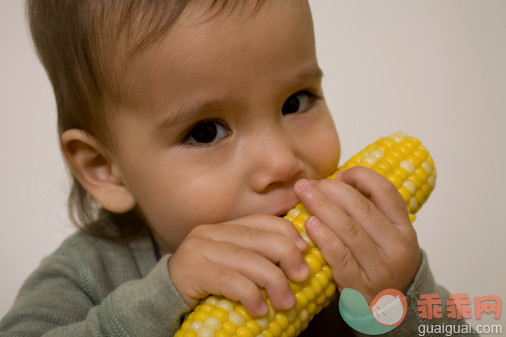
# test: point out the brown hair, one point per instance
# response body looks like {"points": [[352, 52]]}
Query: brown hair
{"points": [[85, 46]]}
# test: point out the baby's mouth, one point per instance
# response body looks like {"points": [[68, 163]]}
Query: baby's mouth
{"points": [[283, 212], [281, 201]]}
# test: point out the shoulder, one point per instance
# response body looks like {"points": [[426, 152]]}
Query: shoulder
{"points": [[113, 245], [98, 265], [79, 276], [83, 248]]}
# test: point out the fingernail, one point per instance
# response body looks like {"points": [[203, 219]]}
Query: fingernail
{"points": [[304, 270], [301, 244], [263, 308], [313, 221], [304, 185], [290, 298]]}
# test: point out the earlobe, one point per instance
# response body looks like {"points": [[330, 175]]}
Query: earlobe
{"points": [[97, 172]]}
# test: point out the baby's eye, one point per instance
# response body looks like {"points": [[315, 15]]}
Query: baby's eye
{"points": [[206, 132], [298, 102]]}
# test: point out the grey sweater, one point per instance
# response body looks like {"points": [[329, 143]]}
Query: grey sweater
{"points": [[94, 287]]}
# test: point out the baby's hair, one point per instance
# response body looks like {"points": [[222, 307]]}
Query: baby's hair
{"points": [[85, 47]]}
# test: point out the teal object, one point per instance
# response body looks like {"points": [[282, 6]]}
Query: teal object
{"points": [[356, 313]]}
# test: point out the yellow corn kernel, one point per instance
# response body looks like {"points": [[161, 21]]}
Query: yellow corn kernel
{"points": [[400, 158], [219, 313], [201, 315], [229, 327], [313, 262], [222, 333], [213, 322], [406, 195], [244, 331], [206, 307], [310, 293], [395, 179], [236, 318]]}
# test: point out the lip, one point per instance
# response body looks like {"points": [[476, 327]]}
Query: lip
{"points": [[283, 199], [286, 207]]}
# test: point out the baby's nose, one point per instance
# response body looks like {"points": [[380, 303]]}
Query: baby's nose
{"points": [[275, 163]]}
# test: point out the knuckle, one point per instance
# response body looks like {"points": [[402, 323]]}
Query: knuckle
{"points": [[386, 186], [251, 234], [365, 205], [224, 278], [323, 203], [242, 254], [332, 243], [249, 291], [350, 228], [346, 258], [286, 248], [277, 278], [281, 226], [287, 228]]}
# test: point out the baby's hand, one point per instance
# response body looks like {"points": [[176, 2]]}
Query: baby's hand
{"points": [[236, 258], [362, 228]]}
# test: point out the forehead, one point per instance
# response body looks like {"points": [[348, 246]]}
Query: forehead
{"points": [[238, 46]]}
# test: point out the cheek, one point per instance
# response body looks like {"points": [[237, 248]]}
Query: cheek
{"points": [[330, 154], [173, 207], [323, 148]]}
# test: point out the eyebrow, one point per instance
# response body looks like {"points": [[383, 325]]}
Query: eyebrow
{"points": [[188, 114], [313, 73], [194, 112]]}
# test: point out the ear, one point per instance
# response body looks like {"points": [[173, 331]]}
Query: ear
{"points": [[96, 171]]}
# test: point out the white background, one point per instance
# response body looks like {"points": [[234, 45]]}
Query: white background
{"points": [[433, 69]]}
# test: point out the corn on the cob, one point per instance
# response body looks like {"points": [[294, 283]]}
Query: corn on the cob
{"points": [[400, 158]]}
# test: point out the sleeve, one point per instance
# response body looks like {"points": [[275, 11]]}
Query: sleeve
{"points": [[59, 299], [413, 324]]}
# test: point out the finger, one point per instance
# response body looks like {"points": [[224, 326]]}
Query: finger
{"points": [[234, 286], [358, 241], [362, 210], [346, 269], [256, 268], [381, 192], [273, 224], [273, 246]]}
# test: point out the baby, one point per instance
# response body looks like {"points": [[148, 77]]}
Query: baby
{"points": [[190, 127]]}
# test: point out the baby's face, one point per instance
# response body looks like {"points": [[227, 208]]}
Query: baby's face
{"points": [[224, 115]]}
